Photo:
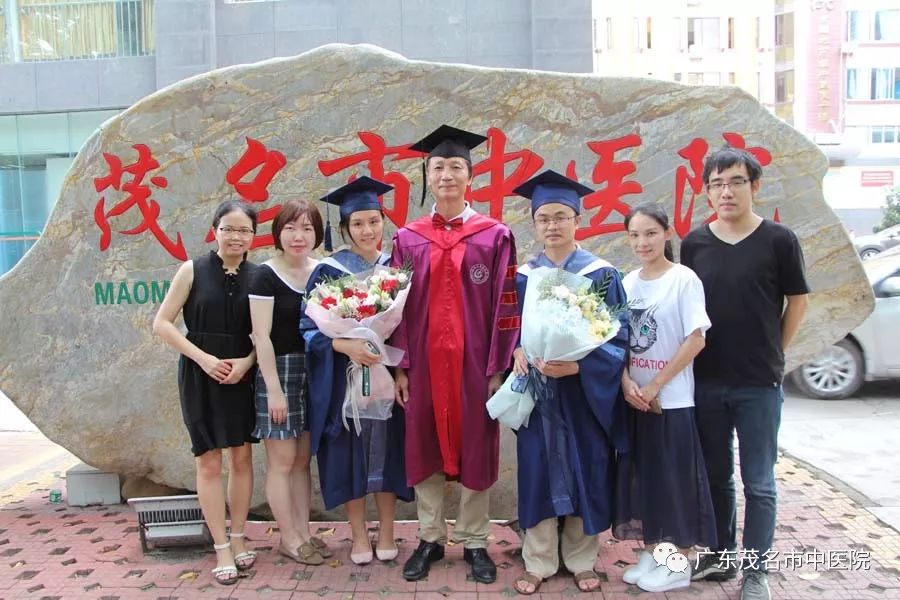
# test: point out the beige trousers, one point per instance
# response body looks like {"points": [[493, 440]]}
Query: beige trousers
{"points": [[472, 524], [541, 547]]}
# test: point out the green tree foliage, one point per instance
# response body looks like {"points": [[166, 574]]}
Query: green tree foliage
{"points": [[891, 210]]}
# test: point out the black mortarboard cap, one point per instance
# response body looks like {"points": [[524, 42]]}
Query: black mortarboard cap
{"points": [[446, 142]]}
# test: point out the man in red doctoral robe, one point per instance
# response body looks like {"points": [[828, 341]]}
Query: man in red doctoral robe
{"points": [[460, 327]]}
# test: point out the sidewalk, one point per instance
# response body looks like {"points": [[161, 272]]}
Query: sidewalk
{"points": [[54, 551]]}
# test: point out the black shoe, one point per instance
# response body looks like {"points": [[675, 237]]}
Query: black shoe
{"points": [[483, 568], [711, 568], [419, 563]]}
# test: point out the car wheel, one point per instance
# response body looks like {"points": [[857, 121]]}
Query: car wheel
{"points": [[869, 253], [835, 373]]}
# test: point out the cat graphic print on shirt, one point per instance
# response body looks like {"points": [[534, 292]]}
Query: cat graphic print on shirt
{"points": [[664, 311]]}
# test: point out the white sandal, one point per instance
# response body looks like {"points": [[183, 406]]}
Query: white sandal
{"points": [[227, 575], [245, 560]]}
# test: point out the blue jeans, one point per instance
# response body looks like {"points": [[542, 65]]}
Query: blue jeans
{"points": [[755, 413]]}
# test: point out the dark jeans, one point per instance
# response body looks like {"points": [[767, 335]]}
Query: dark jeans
{"points": [[755, 413]]}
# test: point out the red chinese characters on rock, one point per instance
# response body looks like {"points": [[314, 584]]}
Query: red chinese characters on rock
{"points": [[137, 196], [374, 156], [267, 163], [494, 166], [612, 173], [695, 153], [253, 172]]}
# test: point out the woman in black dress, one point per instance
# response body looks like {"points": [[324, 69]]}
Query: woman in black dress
{"points": [[215, 379]]}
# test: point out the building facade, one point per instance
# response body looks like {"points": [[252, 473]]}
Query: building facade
{"points": [[830, 68], [689, 41], [68, 65]]}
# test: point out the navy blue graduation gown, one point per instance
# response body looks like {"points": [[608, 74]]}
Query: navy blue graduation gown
{"points": [[350, 465], [566, 453]]}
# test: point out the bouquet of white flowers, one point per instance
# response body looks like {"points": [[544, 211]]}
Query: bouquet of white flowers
{"points": [[562, 319]]}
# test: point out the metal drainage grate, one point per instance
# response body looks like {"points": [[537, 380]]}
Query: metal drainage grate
{"points": [[170, 521]]}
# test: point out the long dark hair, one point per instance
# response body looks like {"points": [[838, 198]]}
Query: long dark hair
{"points": [[658, 214], [230, 206]]}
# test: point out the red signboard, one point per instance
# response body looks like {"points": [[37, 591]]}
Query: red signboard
{"points": [[876, 178]]}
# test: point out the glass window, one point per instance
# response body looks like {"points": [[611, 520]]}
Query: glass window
{"points": [[4, 44], [75, 29], [36, 152], [731, 32], [887, 26], [890, 135], [857, 31], [853, 84], [877, 135], [882, 84], [784, 29], [703, 32]]}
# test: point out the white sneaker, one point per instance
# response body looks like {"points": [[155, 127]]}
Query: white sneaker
{"points": [[662, 579], [645, 564]]}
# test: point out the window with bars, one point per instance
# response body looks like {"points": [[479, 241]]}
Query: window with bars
{"points": [[42, 30]]}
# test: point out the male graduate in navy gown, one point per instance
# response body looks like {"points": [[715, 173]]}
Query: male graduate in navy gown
{"points": [[459, 329], [566, 452], [353, 465]]}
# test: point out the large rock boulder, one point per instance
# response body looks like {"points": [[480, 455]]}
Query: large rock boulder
{"points": [[76, 351]]}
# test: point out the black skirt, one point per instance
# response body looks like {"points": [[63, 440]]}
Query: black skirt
{"points": [[662, 492]]}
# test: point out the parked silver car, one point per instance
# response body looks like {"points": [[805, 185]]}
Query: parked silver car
{"points": [[871, 245], [871, 351]]}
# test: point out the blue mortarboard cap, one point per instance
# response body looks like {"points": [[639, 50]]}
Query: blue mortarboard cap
{"points": [[360, 194], [550, 186]]}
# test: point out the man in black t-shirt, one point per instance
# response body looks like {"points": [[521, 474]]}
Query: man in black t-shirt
{"points": [[750, 267]]}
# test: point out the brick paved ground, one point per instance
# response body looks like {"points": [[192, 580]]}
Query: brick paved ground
{"points": [[54, 551]]}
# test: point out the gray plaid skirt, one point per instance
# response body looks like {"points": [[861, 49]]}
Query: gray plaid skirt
{"points": [[292, 375]]}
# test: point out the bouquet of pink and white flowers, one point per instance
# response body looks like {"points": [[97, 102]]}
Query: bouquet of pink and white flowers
{"points": [[368, 308]]}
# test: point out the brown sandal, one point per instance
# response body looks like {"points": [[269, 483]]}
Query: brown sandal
{"points": [[587, 576], [305, 554], [321, 546], [531, 579]]}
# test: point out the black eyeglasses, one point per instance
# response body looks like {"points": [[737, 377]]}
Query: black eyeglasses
{"points": [[546, 221], [732, 184], [242, 231]]}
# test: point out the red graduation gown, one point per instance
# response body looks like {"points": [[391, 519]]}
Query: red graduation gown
{"points": [[460, 327]]}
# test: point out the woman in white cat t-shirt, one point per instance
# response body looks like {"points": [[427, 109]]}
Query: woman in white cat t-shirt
{"points": [[662, 490]]}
